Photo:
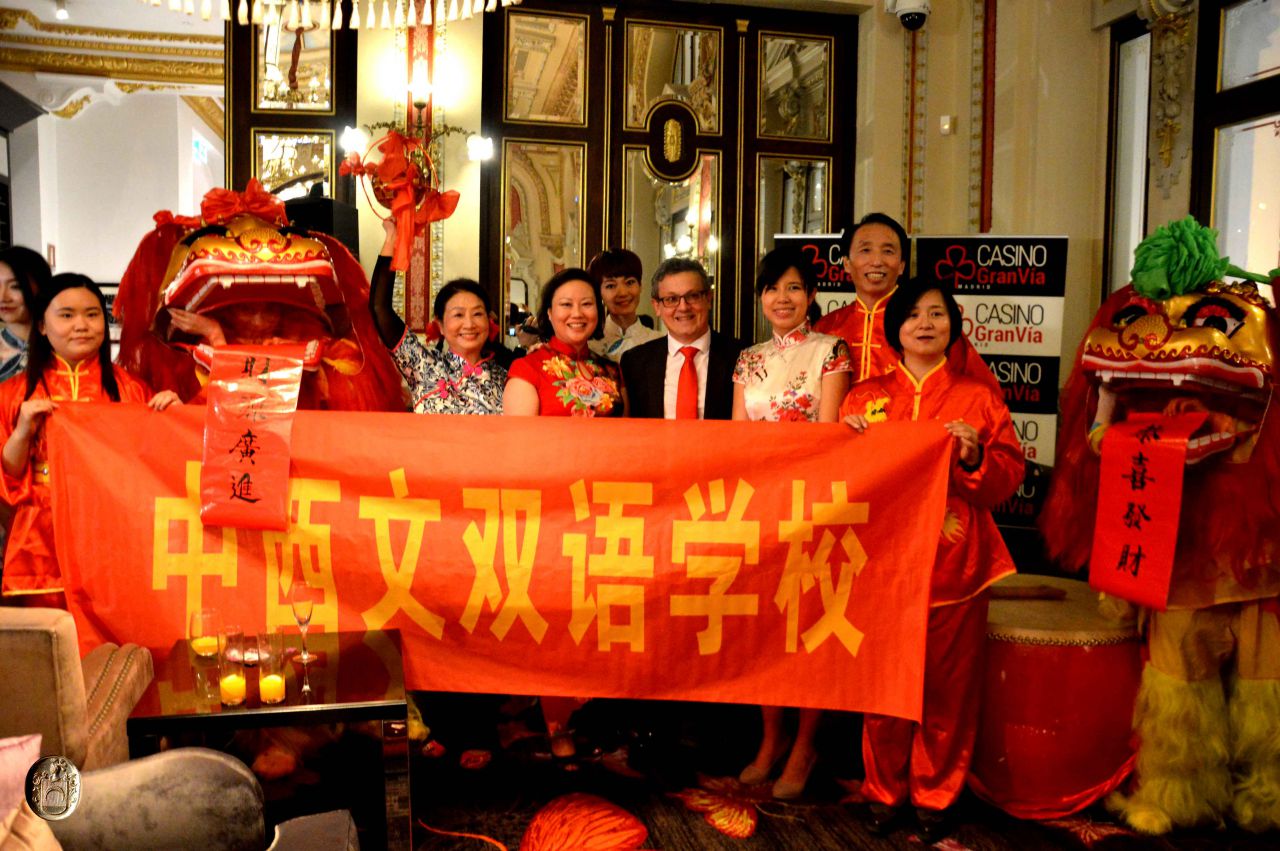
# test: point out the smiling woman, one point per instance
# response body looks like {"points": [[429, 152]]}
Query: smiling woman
{"points": [[563, 378], [797, 376], [463, 377], [68, 362]]}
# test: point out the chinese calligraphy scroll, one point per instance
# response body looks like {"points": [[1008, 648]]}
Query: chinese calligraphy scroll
{"points": [[741, 562], [1139, 503], [253, 394]]}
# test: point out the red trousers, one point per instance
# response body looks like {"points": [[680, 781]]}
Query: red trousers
{"points": [[930, 760]]}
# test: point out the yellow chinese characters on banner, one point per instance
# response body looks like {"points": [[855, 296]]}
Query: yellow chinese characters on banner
{"points": [[787, 568]]}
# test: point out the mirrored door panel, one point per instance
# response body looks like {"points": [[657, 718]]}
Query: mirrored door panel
{"points": [[542, 219], [673, 63]]}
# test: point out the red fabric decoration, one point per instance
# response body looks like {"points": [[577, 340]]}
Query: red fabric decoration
{"points": [[400, 185], [726, 805], [223, 205], [585, 823]]}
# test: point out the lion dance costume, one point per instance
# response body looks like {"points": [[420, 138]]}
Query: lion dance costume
{"points": [[1182, 339], [267, 283]]}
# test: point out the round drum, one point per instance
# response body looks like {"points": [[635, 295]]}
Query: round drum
{"points": [[1058, 695]]}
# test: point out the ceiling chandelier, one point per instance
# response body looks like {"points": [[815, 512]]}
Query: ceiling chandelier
{"points": [[309, 14]]}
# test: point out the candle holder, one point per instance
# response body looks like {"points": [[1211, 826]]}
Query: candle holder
{"points": [[231, 685], [271, 681]]}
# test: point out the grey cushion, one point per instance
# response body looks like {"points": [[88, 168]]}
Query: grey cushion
{"points": [[184, 798]]}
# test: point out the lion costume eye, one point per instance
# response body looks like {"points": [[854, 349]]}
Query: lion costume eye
{"points": [[1217, 313], [1127, 315]]}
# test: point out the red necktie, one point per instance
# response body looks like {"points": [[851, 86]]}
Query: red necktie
{"points": [[687, 387]]}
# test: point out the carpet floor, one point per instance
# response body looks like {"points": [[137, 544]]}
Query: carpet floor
{"points": [[704, 748]]}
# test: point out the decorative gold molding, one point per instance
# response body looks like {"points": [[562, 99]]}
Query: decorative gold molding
{"points": [[154, 70], [72, 107], [210, 112], [130, 88], [110, 47], [9, 19], [1172, 95]]}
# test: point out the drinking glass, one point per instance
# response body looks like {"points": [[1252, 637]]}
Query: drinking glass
{"points": [[302, 599], [202, 632], [271, 683], [231, 684]]}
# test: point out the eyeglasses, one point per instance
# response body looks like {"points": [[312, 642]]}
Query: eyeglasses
{"points": [[693, 299]]}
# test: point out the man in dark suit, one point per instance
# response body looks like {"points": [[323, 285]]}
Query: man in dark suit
{"points": [[687, 374]]}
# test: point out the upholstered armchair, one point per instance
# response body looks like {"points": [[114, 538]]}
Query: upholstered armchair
{"points": [[79, 706]]}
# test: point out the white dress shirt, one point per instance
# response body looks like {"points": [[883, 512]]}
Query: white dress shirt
{"points": [[675, 361]]}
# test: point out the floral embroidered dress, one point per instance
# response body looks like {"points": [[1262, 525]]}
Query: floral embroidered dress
{"points": [[13, 354], [30, 563], [440, 382], [571, 383], [782, 378]]}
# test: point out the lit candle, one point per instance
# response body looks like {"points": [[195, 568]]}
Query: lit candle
{"points": [[205, 645], [271, 688], [232, 688]]}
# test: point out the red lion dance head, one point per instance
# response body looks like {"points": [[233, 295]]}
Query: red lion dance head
{"points": [[1180, 338], [243, 265]]}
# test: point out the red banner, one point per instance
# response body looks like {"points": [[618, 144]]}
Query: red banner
{"points": [[742, 562], [1139, 502]]}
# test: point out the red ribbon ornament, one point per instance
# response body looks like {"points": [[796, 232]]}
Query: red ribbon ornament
{"points": [[222, 205]]}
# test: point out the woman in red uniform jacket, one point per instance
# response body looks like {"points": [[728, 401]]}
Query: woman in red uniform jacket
{"points": [[927, 762], [68, 360]]}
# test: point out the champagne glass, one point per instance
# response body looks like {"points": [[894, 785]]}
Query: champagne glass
{"points": [[302, 599]]}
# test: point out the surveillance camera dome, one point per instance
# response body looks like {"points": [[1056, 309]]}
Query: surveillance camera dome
{"points": [[913, 20]]}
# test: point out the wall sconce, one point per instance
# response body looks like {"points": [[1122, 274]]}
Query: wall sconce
{"points": [[479, 148], [420, 92]]}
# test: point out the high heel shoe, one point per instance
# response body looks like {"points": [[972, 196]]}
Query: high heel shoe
{"points": [[787, 788], [753, 775]]}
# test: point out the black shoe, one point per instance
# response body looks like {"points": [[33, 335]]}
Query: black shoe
{"points": [[935, 825], [884, 819]]}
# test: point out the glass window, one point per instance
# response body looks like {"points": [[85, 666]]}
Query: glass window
{"points": [[795, 78], [673, 63], [1129, 164], [293, 69], [290, 164], [546, 68], [542, 217], [1250, 42], [672, 219], [1247, 193]]}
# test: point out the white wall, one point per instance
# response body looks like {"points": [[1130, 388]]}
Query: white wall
{"points": [[33, 166], [117, 166]]}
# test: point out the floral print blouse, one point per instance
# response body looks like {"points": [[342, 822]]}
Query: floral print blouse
{"points": [[571, 383], [440, 382], [782, 378]]}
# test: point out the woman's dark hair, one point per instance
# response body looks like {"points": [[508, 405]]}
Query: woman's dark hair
{"points": [[776, 263], [906, 296], [904, 241], [40, 353], [451, 289], [30, 271], [616, 263], [558, 280]]}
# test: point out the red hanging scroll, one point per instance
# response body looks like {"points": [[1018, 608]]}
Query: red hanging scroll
{"points": [[248, 431], [1139, 503]]}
